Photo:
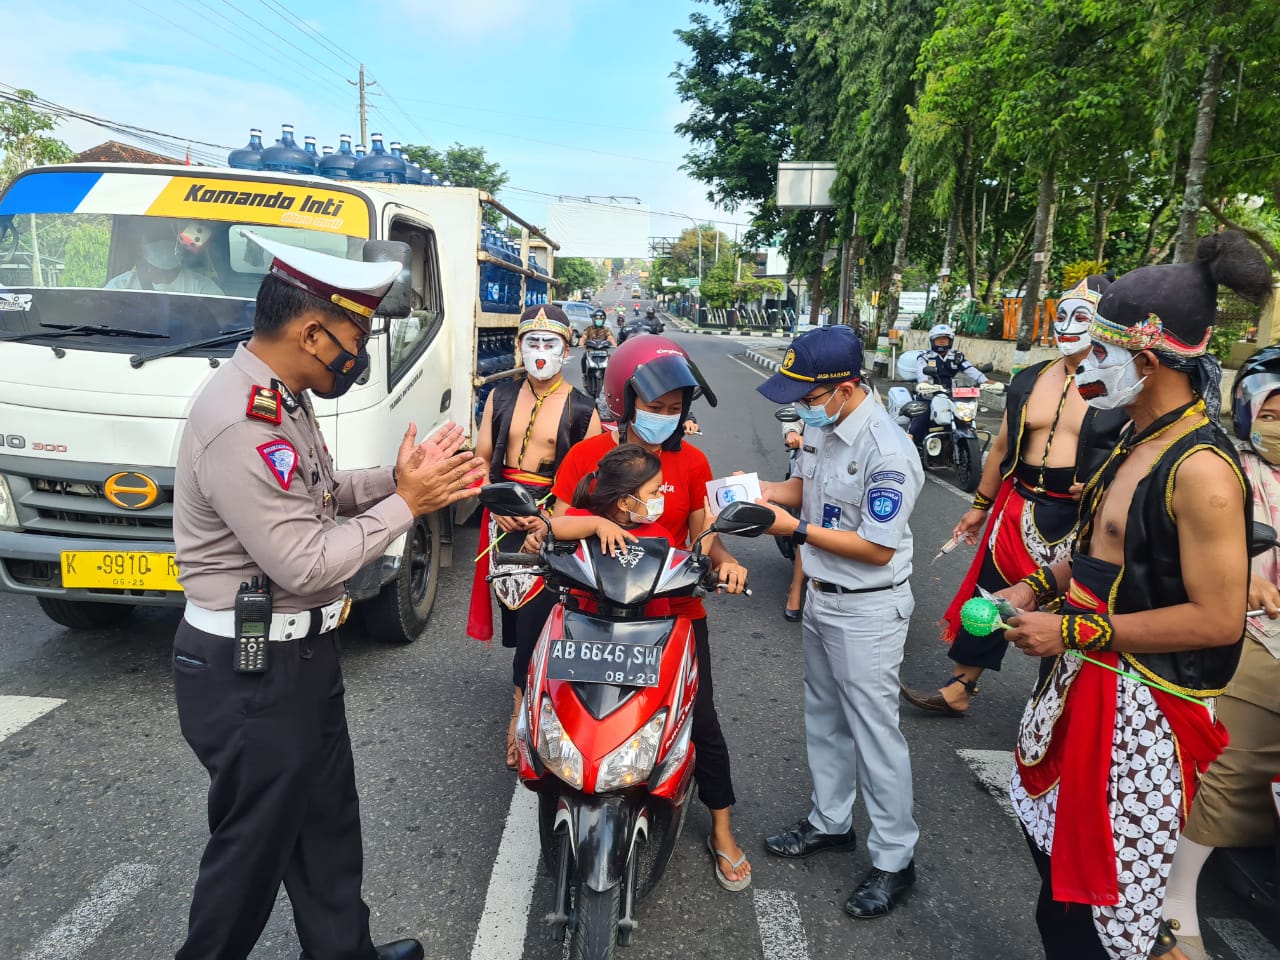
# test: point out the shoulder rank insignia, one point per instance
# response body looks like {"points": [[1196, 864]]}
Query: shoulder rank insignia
{"points": [[264, 404]]}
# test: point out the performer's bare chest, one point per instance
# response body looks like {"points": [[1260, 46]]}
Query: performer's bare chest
{"points": [[1055, 412], [533, 445], [1106, 539]]}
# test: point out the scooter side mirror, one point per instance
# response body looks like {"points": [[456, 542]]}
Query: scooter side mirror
{"points": [[786, 415], [1261, 538], [743, 519], [508, 500]]}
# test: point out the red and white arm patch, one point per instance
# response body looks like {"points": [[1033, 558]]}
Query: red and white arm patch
{"points": [[282, 459]]}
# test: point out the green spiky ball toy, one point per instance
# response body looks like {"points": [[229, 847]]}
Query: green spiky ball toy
{"points": [[981, 617]]}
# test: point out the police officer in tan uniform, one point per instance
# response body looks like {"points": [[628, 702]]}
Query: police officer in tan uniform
{"points": [[257, 496]]}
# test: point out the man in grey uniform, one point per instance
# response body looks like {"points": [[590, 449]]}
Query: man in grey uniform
{"points": [[858, 483], [256, 498]]}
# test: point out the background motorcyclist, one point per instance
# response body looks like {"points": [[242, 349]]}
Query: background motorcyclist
{"points": [[598, 330], [946, 364], [652, 321]]}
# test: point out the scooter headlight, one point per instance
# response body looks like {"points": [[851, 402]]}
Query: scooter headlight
{"points": [[632, 762], [675, 756], [556, 749], [966, 409]]}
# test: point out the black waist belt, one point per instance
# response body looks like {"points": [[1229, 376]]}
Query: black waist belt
{"points": [[823, 587]]}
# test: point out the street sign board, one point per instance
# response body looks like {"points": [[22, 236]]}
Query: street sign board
{"points": [[690, 282]]}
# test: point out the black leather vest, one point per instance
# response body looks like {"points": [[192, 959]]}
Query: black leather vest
{"points": [[1098, 432], [574, 422], [1152, 574]]}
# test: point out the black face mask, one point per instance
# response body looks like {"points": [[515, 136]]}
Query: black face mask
{"points": [[346, 367]]}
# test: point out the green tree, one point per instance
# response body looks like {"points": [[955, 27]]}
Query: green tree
{"points": [[23, 137], [577, 273], [719, 285], [463, 167]]}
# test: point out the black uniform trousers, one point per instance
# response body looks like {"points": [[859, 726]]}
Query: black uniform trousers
{"points": [[282, 798], [711, 754]]}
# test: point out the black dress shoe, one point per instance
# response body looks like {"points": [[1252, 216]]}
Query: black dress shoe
{"points": [[804, 839], [401, 950], [880, 892]]}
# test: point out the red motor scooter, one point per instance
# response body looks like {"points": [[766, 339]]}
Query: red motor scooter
{"points": [[604, 734]]}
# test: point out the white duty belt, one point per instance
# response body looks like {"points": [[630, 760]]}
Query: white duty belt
{"points": [[284, 626]]}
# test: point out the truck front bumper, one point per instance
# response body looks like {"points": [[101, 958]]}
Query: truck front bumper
{"points": [[31, 563]]}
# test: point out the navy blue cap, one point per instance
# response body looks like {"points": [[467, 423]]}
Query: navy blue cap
{"points": [[828, 355]]}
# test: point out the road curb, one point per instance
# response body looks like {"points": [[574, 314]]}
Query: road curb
{"points": [[762, 334], [763, 362]]}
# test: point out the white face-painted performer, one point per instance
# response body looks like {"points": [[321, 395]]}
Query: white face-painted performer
{"points": [[1075, 313]]}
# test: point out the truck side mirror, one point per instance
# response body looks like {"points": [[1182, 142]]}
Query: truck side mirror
{"points": [[399, 299]]}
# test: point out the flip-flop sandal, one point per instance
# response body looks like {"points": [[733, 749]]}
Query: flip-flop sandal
{"points": [[733, 886]]}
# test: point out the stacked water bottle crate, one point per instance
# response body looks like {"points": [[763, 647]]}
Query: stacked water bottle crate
{"points": [[499, 287], [495, 352]]}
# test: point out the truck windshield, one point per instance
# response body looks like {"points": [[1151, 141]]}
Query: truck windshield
{"points": [[185, 280]]}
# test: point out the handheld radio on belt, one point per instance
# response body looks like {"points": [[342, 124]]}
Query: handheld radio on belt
{"points": [[253, 624]]}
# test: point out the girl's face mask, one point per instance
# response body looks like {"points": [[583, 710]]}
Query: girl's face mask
{"points": [[1108, 379], [652, 509], [1265, 438]]}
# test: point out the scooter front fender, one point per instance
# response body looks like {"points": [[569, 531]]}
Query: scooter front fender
{"points": [[603, 828]]}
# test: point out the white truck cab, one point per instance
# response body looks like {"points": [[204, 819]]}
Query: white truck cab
{"points": [[122, 288]]}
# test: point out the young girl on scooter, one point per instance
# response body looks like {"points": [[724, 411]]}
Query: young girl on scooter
{"points": [[1232, 807], [619, 502]]}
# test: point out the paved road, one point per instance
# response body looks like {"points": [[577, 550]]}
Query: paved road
{"points": [[102, 816]]}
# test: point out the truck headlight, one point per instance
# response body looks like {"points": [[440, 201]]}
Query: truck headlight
{"points": [[8, 509], [631, 762], [966, 409], [556, 749]]}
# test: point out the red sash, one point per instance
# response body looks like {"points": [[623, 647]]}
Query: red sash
{"points": [[1084, 854], [480, 613]]}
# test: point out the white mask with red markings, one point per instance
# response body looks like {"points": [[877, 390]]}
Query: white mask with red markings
{"points": [[543, 355], [1071, 327]]}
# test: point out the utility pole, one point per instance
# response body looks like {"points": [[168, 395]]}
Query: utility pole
{"points": [[364, 111]]}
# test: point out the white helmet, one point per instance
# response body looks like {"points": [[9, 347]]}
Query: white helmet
{"points": [[942, 330]]}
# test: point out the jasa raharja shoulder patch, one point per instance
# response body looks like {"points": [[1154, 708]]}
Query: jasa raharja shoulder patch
{"points": [[264, 405]]}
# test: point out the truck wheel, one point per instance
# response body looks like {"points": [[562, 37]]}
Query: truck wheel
{"points": [[84, 614], [399, 613]]}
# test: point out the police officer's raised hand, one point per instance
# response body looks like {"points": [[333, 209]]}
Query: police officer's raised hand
{"points": [[440, 445], [427, 486]]}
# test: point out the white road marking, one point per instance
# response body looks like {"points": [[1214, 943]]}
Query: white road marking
{"points": [[500, 935], [17, 712], [948, 487], [1244, 940], [778, 919], [754, 369], [73, 935], [993, 768]]}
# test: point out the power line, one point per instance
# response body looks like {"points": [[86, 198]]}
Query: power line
{"points": [[528, 116], [294, 20], [282, 39]]}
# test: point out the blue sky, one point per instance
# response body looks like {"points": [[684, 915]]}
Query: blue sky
{"points": [[496, 73]]}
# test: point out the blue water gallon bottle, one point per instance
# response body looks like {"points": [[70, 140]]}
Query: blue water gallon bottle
{"points": [[326, 151], [397, 149], [412, 172], [338, 166], [380, 166], [248, 157], [361, 151], [286, 156]]}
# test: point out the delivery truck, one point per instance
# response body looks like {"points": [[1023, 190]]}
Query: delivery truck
{"points": [[102, 355]]}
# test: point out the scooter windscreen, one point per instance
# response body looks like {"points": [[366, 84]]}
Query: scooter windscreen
{"points": [[643, 570]]}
